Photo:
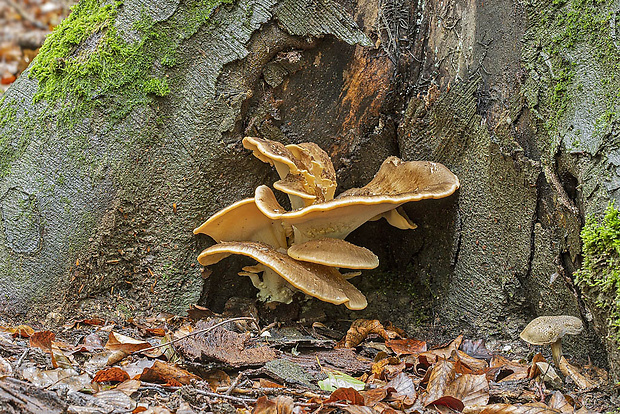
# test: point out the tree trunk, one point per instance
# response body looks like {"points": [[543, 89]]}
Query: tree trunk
{"points": [[125, 134]]}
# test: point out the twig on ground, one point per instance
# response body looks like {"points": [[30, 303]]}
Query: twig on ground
{"points": [[200, 331], [20, 361], [234, 384]]}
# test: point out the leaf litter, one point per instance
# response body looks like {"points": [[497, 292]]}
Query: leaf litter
{"points": [[228, 364]]}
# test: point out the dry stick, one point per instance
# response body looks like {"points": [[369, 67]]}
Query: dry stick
{"points": [[241, 400], [234, 384], [210, 328]]}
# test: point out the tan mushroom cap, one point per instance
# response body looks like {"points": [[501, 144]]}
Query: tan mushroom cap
{"points": [[397, 218], [397, 182], [322, 282], [320, 166], [546, 330], [244, 221], [273, 153], [334, 252], [296, 185]]}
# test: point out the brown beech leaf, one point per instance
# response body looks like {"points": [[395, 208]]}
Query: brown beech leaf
{"points": [[472, 390], [404, 388], [374, 396], [216, 378], [119, 342], [406, 346], [533, 408], [476, 365], [503, 369], [265, 383], [113, 374], [90, 343], [533, 371], [441, 375], [346, 395], [443, 352], [573, 372], [558, 402], [359, 409], [42, 340], [359, 331], [450, 402], [23, 331], [278, 405], [476, 349], [128, 387], [172, 375]]}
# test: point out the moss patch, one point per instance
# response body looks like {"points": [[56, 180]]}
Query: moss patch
{"points": [[557, 31], [88, 58], [600, 273]]}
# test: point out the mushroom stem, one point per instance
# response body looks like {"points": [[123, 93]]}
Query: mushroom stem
{"points": [[556, 351]]}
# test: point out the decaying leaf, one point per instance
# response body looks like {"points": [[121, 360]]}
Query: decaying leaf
{"points": [[548, 374], [472, 390], [119, 342], [347, 396], [23, 331], [113, 374], [406, 346], [162, 372], [534, 408], [128, 387], [119, 400], [503, 369], [558, 402], [440, 377], [476, 349], [216, 378], [226, 346], [359, 331], [573, 372], [6, 370], [278, 405], [404, 390]]}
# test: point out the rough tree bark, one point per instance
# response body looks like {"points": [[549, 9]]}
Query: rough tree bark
{"points": [[125, 134]]}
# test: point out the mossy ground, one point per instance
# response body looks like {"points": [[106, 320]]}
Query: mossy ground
{"points": [[600, 273]]}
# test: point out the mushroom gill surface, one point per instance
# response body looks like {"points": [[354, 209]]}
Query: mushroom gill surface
{"points": [[322, 282]]}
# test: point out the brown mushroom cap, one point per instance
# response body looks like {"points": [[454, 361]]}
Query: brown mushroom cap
{"points": [[546, 330], [244, 221], [322, 282], [334, 252], [397, 182]]}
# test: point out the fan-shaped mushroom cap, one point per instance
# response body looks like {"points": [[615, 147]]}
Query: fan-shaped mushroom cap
{"points": [[318, 163], [397, 218], [295, 185], [244, 221], [334, 252], [274, 153], [397, 182], [546, 330], [322, 282]]}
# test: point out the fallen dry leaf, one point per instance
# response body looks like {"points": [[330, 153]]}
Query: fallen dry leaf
{"points": [[113, 374], [6, 370], [128, 387], [573, 372], [476, 349], [23, 331], [347, 396], [223, 345], [359, 331], [265, 383], [373, 396], [119, 342], [476, 365], [533, 371], [358, 409], [472, 390], [558, 402], [406, 346], [404, 390], [450, 402], [172, 375], [534, 408], [278, 405], [442, 374]]}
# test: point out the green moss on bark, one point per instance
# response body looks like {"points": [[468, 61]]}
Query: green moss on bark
{"points": [[600, 273]]}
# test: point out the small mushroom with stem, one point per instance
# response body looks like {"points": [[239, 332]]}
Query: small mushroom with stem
{"points": [[549, 330]]}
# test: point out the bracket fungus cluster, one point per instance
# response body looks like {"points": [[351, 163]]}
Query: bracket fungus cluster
{"points": [[303, 249]]}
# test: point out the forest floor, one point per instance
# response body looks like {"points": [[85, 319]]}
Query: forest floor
{"points": [[233, 363]]}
